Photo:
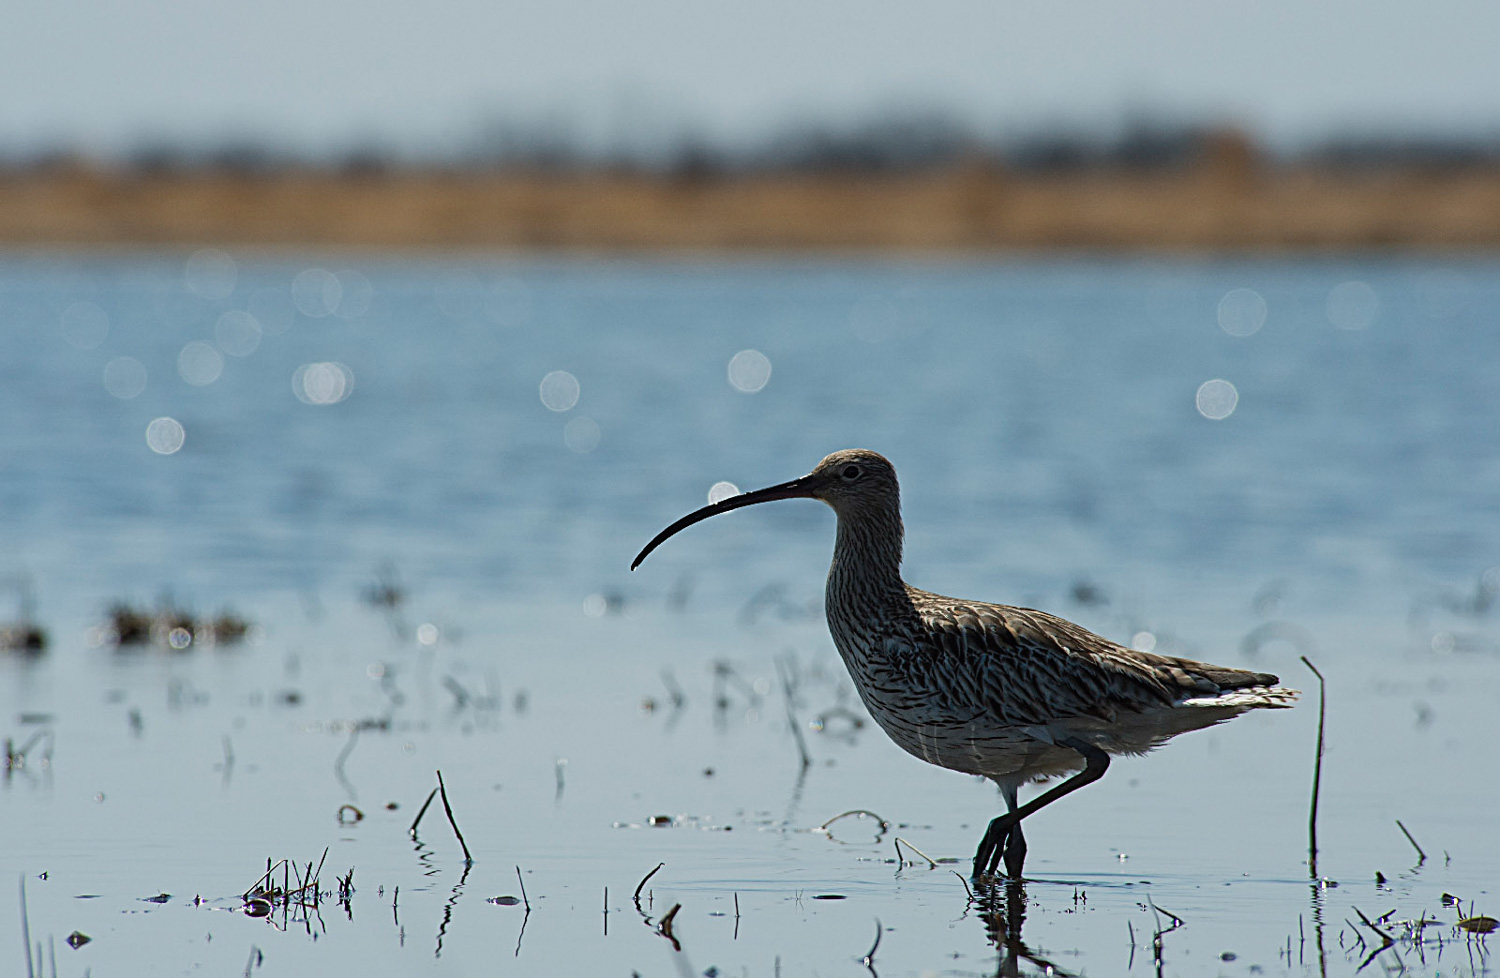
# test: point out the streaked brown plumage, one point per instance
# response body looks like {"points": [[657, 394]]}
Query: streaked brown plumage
{"points": [[1012, 694]]}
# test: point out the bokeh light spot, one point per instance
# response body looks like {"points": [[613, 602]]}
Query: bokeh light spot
{"points": [[1242, 312], [581, 434], [125, 377], [210, 273], [1352, 305], [749, 371], [560, 391], [84, 325], [237, 333], [720, 491], [317, 292], [165, 436], [199, 363], [322, 383], [1217, 399]]}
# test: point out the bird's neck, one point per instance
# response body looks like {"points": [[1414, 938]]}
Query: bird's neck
{"points": [[864, 580]]}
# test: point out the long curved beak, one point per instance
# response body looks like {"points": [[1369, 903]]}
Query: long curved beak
{"points": [[796, 489]]}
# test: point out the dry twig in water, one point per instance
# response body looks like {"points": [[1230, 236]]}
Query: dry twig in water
{"points": [[1312, 815], [26, 930], [264, 896], [869, 959], [863, 812], [1421, 856], [665, 927], [932, 863], [420, 812], [642, 884], [1385, 939], [523, 890], [443, 791]]}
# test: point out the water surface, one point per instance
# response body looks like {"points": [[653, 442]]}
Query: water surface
{"points": [[499, 437]]}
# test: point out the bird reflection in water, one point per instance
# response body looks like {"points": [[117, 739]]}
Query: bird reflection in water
{"points": [[1001, 904]]}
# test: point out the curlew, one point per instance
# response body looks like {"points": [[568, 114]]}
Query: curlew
{"points": [[1012, 694]]}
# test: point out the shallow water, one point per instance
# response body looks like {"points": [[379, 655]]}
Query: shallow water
{"points": [[1042, 415]]}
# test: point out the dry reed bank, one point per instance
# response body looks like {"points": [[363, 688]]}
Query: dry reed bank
{"points": [[980, 206]]}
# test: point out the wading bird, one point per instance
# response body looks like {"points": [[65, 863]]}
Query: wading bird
{"points": [[1012, 694]]}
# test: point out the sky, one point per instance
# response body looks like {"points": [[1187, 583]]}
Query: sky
{"points": [[326, 76]]}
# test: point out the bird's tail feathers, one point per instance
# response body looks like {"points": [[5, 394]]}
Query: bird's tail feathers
{"points": [[1249, 698]]}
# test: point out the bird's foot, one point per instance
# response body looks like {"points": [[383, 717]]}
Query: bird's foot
{"points": [[999, 840]]}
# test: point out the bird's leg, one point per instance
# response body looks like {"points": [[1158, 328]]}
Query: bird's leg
{"points": [[1014, 846], [1015, 852], [1003, 837]]}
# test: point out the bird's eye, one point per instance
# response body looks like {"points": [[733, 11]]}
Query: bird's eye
{"points": [[850, 472]]}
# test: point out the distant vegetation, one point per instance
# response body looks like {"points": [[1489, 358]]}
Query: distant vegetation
{"points": [[917, 181], [902, 143]]}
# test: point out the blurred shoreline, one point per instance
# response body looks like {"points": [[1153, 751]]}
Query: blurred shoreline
{"points": [[1227, 200]]}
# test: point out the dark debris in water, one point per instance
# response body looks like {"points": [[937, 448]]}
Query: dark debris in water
{"points": [[77, 939], [23, 636], [387, 592], [297, 894], [37, 748], [169, 627], [1478, 925]]}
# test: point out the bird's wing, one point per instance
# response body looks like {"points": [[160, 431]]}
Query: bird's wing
{"points": [[1027, 667]]}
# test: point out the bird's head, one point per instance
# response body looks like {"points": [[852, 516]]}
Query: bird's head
{"points": [[856, 482], [852, 481]]}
